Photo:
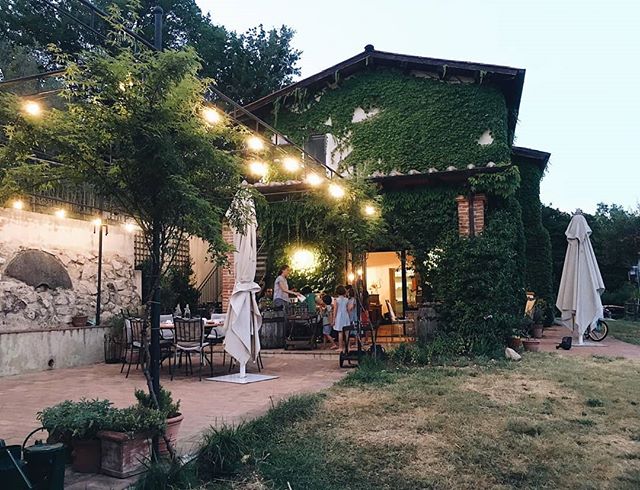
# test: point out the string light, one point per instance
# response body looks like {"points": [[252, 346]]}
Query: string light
{"points": [[291, 164], [336, 191], [32, 108], [254, 143], [314, 180], [97, 222], [351, 276], [18, 204], [259, 169], [60, 213], [130, 227], [369, 210], [211, 115]]}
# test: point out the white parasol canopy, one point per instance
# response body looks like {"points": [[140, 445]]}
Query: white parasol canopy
{"points": [[581, 283], [243, 320]]}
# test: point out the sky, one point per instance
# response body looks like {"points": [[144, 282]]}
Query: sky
{"points": [[581, 98]]}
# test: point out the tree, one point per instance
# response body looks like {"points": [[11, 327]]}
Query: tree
{"points": [[132, 129], [245, 66]]}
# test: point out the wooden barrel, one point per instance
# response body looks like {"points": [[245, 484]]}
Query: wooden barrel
{"points": [[272, 332], [427, 321]]}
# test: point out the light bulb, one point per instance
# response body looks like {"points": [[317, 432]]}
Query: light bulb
{"points": [[32, 108], [291, 164], [60, 213], [351, 276], [360, 272], [130, 227], [211, 115], [259, 169], [18, 204], [254, 143], [336, 191], [314, 180], [369, 210], [97, 222]]}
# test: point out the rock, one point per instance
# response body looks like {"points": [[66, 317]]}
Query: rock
{"points": [[511, 354]]}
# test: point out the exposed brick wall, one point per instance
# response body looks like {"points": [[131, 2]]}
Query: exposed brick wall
{"points": [[471, 223], [228, 275]]}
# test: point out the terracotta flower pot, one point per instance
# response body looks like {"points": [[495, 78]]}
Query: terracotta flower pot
{"points": [[173, 427], [86, 455], [537, 331], [79, 320], [515, 343], [124, 455], [531, 345]]}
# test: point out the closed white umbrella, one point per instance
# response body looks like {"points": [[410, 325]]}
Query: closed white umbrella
{"points": [[243, 320], [581, 283]]}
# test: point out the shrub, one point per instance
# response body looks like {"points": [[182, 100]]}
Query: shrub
{"points": [[75, 420], [135, 419], [166, 404]]}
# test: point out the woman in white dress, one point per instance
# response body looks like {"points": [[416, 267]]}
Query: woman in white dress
{"points": [[341, 314]]}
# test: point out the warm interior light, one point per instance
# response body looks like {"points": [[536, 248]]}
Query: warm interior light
{"points": [[351, 276], [32, 108], [18, 204], [360, 272], [369, 210], [60, 213], [254, 143], [130, 227], [314, 180], [303, 260], [291, 164], [259, 169], [97, 222], [211, 115], [336, 191]]}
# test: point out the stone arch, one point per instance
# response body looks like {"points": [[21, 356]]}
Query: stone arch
{"points": [[38, 268]]}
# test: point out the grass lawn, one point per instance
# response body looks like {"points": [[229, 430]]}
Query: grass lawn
{"points": [[546, 422], [625, 330]]}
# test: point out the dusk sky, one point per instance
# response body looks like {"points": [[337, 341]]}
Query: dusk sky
{"points": [[581, 99]]}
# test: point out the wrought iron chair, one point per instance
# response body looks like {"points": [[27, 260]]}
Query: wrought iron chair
{"points": [[134, 330], [189, 339]]}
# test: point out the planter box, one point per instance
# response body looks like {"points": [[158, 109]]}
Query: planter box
{"points": [[537, 331], [86, 455], [124, 455], [531, 345], [173, 427]]}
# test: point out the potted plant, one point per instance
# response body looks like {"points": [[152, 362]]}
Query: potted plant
{"points": [[79, 320], [169, 409], [126, 439], [537, 315], [77, 424]]}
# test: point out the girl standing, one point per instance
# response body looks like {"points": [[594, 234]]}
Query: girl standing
{"points": [[341, 314]]}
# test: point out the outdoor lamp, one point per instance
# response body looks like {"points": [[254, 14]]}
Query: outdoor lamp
{"points": [[130, 227], [18, 204], [254, 143], [259, 169], [97, 222], [360, 272], [291, 164], [32, 108], [369, 210], [60, 213], [303, 260], [336, 191], [351, 277], [210, 115], [314, 180]]}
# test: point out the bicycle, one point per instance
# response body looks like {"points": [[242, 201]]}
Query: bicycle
{"points": [[598, 333]]}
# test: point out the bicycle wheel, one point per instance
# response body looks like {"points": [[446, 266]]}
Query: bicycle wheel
{"points": [[599, 332]]}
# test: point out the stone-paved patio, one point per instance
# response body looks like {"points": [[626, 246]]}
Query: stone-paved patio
{"points": [[610, 346], [203, 403]]}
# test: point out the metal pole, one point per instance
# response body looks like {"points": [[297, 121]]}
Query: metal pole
{"points": [[157, 37], [99, 293], [405, 299]]}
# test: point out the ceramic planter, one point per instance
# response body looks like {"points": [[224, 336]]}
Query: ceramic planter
{"points": [[536, 331], [85, 455], [515, 343], [531, 345], [173, 427], [124, 455], [79, 321]]}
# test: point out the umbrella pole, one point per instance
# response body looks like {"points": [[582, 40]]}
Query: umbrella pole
{"points": [[573, 327]]}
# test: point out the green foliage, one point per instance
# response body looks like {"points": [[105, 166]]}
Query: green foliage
{"points": [[135, 419], [246, 66], [171, 474], [422, 122], [75, 420], [176, 286], [479, 281], [166, 405], [539, 266]]}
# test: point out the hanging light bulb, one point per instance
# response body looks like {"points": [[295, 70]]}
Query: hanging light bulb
{"points": [[314, 179], [360, 272], [369, 210], [60, 213], [351, 276], [130, 227], [97, 222], [32, 108], [211, 115], [259, 169], [255, 143], [291, 164], [17, 204], [336, 191]]}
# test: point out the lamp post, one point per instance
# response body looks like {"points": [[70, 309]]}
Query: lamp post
{"points": [[102, 229]]}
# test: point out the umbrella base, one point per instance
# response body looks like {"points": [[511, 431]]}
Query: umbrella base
{"points": [[243, 380]]}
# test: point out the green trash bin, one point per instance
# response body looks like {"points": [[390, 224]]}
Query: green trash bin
{"points": [[45, 466]]}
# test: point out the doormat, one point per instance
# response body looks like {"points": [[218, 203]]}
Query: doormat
{"points": [[236, 378]]}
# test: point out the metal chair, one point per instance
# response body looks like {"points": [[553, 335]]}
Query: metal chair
{"points": [[135, 330], [189, 339]]}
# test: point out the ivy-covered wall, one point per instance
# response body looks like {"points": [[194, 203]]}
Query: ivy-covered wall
{"points": [[420, 123], [539, 264]]}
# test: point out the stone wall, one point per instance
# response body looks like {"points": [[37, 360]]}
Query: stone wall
{"points": [[75, 245]]}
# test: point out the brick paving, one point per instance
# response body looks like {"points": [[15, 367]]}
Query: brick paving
{"points": [[610, 346]]}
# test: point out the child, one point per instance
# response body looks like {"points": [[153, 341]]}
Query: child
{"points": [[326, 321], [341, 317]]}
